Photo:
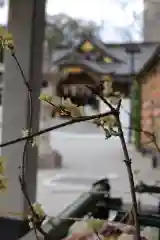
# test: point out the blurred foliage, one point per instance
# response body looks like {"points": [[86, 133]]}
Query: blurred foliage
{"points": [[136, 112], [3, 183], [65, 30], [6, 39], [38, 217], [3, 179]]}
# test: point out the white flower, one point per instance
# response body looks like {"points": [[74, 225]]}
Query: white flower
{"points": [[39, 210], [25, 132]]}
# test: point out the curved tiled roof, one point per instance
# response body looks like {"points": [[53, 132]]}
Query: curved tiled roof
{"points": [[99, 44], [120, 68]]}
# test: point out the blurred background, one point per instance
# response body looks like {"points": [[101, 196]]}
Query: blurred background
{"points": [[111, 39]]}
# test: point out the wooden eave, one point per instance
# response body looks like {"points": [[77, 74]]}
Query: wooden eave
{"points": [[87, 66]]}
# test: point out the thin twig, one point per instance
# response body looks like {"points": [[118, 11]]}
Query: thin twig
{"points": [[101, 97], [22, 181], [128, 163], [49, 129], [38, 223], [119, 105]]}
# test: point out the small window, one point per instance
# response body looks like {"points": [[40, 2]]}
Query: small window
{"points": [[72, 70], [108, 60]]}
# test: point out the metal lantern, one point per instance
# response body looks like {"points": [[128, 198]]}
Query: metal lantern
{"points": [[66, 91], [73, 90], [107, 88]]}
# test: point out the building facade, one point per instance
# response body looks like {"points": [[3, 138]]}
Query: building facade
{"points": [[151, 24], [149, 80], [83, 65]]}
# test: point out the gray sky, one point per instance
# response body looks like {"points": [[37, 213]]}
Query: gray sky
{"points": [[111, 12]]}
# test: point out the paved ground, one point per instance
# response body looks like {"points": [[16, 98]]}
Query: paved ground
{"points": [[88, 157]]}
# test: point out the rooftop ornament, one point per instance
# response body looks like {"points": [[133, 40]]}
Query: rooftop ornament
{"points": [[87, 47]]}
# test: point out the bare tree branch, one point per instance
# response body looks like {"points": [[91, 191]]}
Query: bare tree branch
{"points": [[74, 120]]}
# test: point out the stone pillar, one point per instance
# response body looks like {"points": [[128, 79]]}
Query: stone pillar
{"points": [[48, 157], [26, 23], [56, 78], [45, 149]]}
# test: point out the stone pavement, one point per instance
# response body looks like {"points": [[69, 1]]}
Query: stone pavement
{"points": [[87, 158]]}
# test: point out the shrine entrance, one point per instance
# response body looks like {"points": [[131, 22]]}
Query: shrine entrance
{"points": [[73, 86]]}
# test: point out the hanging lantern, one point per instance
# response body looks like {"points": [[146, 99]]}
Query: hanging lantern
{"points": [[66, 91], [87, 92], [107, 88], [80, 91], [73, 90]]}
